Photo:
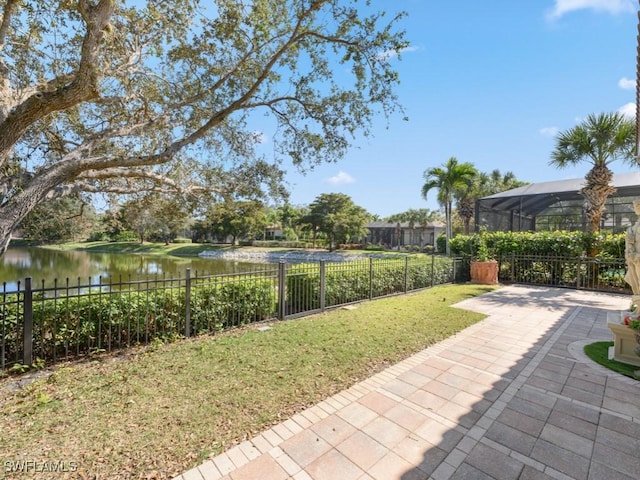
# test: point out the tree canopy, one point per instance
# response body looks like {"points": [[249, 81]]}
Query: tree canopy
{"points": [[127, 96], [335, 215], [419, 216], [483, 185]]}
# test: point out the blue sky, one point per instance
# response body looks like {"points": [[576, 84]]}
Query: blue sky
{"points": [[490, 83]]}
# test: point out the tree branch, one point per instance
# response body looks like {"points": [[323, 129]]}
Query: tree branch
{"points": [[83, 87]]}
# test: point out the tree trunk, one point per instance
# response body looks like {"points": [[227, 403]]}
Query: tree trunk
{"points": [[596, 192], [447, 234], [12, 213], [466, 209], [5, 235]]}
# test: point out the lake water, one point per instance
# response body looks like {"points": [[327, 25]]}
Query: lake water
{"points": [[43, 264]]}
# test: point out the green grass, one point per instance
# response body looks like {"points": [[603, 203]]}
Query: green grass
{"points": [[190, 249], [147, 248], [599, 353], [166, 408]]}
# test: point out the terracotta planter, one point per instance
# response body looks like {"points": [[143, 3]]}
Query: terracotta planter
{"points": [[484, 273], [624, 341]]}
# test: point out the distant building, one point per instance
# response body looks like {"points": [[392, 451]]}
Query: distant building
{"points": [[273, 232], [393, 235]]}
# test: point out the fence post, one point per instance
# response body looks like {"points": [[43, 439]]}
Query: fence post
{"points": [[370, 278], [187, 304], [27, 332], [406, 274], [433, 269], [578, 272], [282, 272], [323, 285], [513, 267]]}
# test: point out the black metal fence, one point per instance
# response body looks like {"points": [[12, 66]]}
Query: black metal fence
{"points": [[569, 272], [49, 322]]}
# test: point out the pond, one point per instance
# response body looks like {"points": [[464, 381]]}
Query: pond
{"points": [[43, 264]]}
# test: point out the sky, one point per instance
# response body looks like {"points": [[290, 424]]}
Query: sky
{"points": [[490, 83]]}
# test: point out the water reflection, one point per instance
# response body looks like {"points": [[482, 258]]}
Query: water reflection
{"points": [[42, 264]]}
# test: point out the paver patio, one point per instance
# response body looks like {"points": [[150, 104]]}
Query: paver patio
{"points": [[512, 397]]}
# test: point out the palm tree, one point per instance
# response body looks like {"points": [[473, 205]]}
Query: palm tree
{"points": [[450, 179], [600, 140], [483, 185]]}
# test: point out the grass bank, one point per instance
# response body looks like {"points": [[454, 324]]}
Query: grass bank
{"points": [[147, 248], [166, 408], [191, 249]]}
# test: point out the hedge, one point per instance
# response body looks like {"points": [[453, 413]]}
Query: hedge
{"points": [[355, 281], [558, 243], [102, 321]]}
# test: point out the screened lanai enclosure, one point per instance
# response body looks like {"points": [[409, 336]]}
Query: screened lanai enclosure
{"points": [[556, 205]]}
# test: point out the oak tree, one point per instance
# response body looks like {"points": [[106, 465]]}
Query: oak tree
{"points": [[122, 96]]}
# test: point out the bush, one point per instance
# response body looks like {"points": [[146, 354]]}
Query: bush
{"points": [[181, 240], [350, 246], [352, 281], [98, 321], [559, 243], [282, 244], [98, 237], [125, 236]]}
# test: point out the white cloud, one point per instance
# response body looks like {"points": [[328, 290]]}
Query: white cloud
{"points": [[549, 131], [626, 83], [606, 6], [390, 54], [341, 178], [628, 110]]}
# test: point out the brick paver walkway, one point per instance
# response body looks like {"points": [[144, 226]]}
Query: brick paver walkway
{"points": [[512, 397]]}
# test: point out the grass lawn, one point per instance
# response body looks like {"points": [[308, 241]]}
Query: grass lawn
{"points": [[599, 353], [190, 249], [147, 248], [166, 408]]}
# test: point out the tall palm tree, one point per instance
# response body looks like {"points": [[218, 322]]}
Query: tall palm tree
{"points": [[449, 179], [599, 140]]}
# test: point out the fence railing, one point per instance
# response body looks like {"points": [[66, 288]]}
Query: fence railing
{"points": [[50, 322], [570, 272]]}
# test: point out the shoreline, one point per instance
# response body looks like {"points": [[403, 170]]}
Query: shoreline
{"points": [[289, 256]]}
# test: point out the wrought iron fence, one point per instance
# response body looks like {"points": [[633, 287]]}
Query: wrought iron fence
{"points": [[602, 274], [61, 321]]}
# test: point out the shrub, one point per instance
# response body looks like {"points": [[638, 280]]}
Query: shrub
{"points": [[98, 321], [125, 236], [352, 281], [98, 237], [559, 243], [350, 246], [282, 244]]}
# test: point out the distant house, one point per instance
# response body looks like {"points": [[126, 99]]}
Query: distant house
{"points": [[402, 234], [273, 232]]}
